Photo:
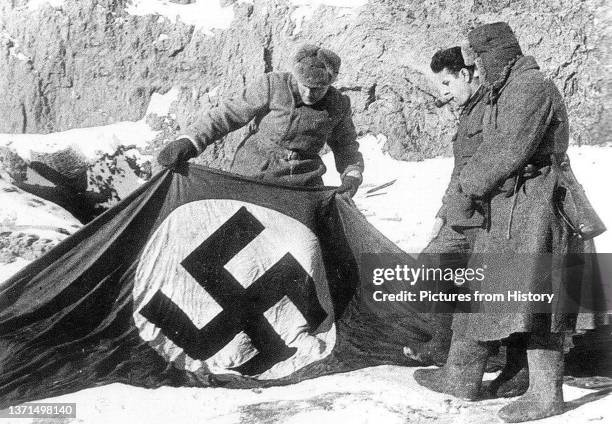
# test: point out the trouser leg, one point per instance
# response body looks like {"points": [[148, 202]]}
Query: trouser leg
{"points": [[448, 250]]}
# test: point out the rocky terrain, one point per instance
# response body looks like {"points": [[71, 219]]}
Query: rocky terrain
{"points": [[97, 167], [68, 64], [87, 76]]}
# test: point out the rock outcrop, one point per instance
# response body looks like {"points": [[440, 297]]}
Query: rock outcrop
{"points": [[51, 194], [73, 64], [29, 225]]}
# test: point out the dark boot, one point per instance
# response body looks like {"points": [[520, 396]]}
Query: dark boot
{"points": [[544, 398], [461, 376], [514, 379], [515, 385]]}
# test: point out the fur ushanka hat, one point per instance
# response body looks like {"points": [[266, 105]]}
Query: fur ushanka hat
{"points": [[315, 66]]}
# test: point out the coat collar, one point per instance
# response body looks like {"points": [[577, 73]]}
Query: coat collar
{"points": [[295, 91], [476, 97], [524, 63], [514, 68]]}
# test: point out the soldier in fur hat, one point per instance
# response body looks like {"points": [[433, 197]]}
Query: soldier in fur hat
{"points": [[293, 114], [523, 242], [450, 248]]}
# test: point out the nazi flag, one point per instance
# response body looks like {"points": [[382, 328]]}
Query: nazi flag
{"points": [[233, 286]]}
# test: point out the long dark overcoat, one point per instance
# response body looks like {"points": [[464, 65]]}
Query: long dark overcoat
{"points": [[524, 243]]}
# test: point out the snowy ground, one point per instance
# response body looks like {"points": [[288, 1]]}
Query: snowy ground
{"points": [[378, 395], [404, 212]]}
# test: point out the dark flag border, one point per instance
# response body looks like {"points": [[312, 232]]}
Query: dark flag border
{"points": [[65, 319]]}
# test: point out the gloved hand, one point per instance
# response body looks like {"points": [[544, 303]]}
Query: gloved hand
{"points": [[463, 212], [349, 185], [176, 153]]}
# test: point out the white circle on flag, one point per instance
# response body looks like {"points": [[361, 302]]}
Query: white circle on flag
{"points": [[183, 231]]}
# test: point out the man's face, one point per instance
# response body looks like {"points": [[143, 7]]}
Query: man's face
{"points": [[311, 95], [456, 86]]}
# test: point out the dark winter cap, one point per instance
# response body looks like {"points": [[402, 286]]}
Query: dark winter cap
{"points": [[496, 36], [496, 45], [315, 66]]}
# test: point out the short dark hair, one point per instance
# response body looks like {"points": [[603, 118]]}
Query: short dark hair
{"points": [[451, 59]]}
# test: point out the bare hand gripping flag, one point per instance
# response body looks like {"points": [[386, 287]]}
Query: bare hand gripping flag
{"points": [[200, 278]]}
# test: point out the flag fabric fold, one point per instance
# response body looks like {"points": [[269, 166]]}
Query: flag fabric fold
{"points": [[200, 278]]}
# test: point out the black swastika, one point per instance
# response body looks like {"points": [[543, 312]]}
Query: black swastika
{"points": [[242, 308]]}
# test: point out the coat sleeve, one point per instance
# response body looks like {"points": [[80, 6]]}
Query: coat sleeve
{"points": [[231, 114], [511, 136], [343, 142], [453, 186], [451, 190]]}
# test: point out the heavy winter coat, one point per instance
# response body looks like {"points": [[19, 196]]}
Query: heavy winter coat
{"points": [[465, 143], [524, 124], [286, 135]]}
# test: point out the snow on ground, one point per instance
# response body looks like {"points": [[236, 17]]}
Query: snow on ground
{"points": [[90, 141], [404, 211], [93, 141], [42, 220], [160, 103], [34, 222], [22, 210], [377, 395], [10, 269], [96, 142], [205, 15]]}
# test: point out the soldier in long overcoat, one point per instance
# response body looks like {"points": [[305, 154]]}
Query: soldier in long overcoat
{"points": [[292, 115], [449, 248], [523, 242]]}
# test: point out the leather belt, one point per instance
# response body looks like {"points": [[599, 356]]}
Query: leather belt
{"points": [[531, 170]]}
